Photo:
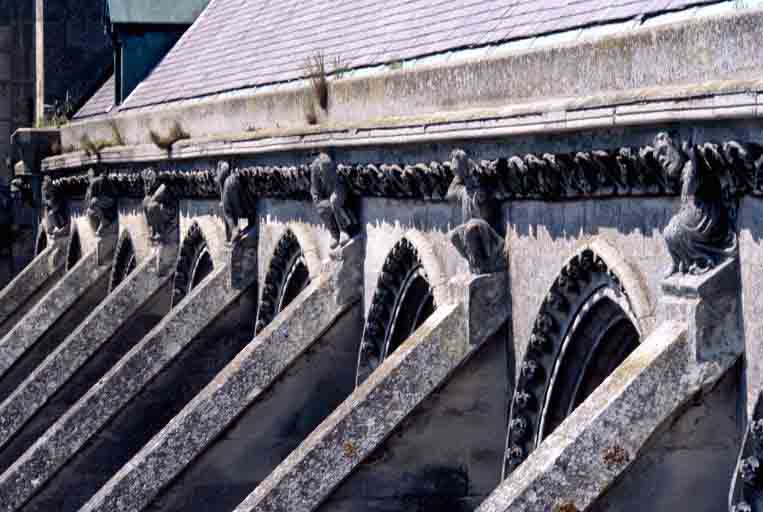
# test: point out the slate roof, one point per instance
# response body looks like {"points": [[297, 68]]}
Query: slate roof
{"points": [[100, 103], [170, 12], [238, 44]]}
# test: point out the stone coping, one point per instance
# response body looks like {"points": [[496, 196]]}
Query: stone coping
{"points": [[89, 337], [245, 380], [312, 471], [698, 340], [110, 394], [712, 100], [49, 309], [599, 440], [43, 267]]}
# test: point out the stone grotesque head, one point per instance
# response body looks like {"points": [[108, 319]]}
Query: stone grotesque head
{"points": [[149, 181], [669, 154], [223, 171], [459, 162]]}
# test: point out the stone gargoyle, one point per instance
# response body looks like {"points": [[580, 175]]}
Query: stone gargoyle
{"points": [[159, 206]]}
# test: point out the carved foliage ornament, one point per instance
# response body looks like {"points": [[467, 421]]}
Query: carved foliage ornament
{"points": [[747, 490], [286, 265], [598, 173], [580, 279]]}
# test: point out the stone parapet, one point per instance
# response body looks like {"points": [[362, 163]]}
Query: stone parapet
{"points": [[648, 57]]}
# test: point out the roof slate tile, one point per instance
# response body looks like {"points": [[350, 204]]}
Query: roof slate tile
{"points": [[239, 44]]}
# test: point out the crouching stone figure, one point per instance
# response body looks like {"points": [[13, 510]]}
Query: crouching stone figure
{"points": [[330, 196], [475, 239], [101, 201], [702, 234]]}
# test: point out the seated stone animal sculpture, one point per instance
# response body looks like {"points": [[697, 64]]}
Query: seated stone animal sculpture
{"points": [[330, 195], [56, 222], [701, 234], [101, 204], [475, 239]]}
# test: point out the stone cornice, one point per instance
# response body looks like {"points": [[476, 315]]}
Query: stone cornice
{"points": [[600, 173], [709, 101]]}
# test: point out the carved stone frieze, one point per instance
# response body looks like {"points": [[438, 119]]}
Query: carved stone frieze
{"points": [[188, 271], [747, 487], [626, 171], [581, 282], [287, 275], [124, 261], [402, 274]]}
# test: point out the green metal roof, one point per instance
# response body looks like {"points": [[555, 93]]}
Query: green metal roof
{"points": [[180, 12]]}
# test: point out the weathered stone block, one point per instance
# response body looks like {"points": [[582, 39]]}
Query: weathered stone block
{"points": [[486, 301], [712, 306], [45, 267]]}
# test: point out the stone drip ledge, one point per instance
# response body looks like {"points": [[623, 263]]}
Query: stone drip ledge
{"points": [[698, 339], [246, 379], [121, 384], [46, 266], [716, 100], [89, 337], [49, 309]]}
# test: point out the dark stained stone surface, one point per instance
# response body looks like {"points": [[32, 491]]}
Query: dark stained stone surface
{"points": [[237, 44]]}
